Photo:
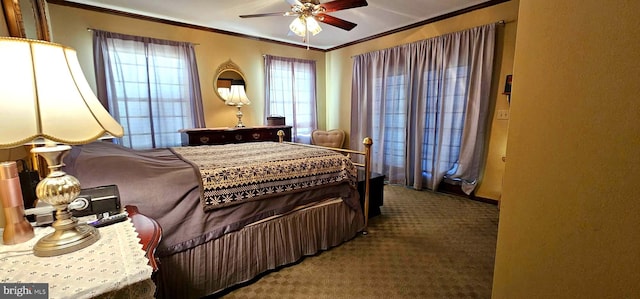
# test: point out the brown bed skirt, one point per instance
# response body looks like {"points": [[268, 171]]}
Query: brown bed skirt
{"points": [[240, 256]]}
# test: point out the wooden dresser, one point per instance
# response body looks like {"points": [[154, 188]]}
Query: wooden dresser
{"points": [[213, 136]]}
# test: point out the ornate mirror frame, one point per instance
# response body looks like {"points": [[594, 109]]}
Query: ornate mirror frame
{"points": [[226, 73], [25, 16]]}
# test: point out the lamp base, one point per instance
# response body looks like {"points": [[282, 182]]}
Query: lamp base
{"points": [[239, 116], [66, 241], [59, 189]]}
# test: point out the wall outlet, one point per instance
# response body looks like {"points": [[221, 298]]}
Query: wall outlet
{"points": [[503, 114]]}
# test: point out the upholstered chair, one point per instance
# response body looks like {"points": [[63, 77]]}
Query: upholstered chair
{"points": [[333, 138]]}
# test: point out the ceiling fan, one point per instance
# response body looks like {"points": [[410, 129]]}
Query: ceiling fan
{"points": [[309, 12]]}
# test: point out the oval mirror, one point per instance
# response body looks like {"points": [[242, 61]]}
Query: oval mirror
{"points": [[227, 74]]}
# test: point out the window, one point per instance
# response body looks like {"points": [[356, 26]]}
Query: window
{"points": [[151, 88], [425, 105], [443, 129], [291, 92], [393, 112], [443, 116]]}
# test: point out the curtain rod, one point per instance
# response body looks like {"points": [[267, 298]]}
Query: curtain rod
{"points": [[92, 29], [500, 22]]}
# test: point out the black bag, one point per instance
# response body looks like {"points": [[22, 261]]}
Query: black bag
{"points": [[28, 181]]}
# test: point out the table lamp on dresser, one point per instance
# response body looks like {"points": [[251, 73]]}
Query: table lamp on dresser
{"points": [[238, 98], [45, 100]]}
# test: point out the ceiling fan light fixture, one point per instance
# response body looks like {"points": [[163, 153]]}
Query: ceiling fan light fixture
{"points": [[301, 24], [309, 12], [313, 26], [298, 26]]}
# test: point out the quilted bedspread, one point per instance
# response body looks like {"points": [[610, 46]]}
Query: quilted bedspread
{"points": [[234, 173]]}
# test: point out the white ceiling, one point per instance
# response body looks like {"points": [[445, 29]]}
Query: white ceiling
{"points": [[378, 17]]}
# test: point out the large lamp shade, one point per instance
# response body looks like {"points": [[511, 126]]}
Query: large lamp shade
{"points": [[45, 96]]}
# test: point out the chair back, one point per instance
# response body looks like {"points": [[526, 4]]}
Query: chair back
{"points": [[333, 138]]}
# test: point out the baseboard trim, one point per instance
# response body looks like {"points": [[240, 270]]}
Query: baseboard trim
{"points": [[485, 200], [457, 190]]}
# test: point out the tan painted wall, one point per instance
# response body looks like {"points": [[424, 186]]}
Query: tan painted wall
{"points": [[339, 64], [570, 219], [334, 68], [69, 27]]}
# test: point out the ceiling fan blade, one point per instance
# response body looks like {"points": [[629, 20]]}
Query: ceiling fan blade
{"points": [[271, 14], [342, 4], [337, 22]]}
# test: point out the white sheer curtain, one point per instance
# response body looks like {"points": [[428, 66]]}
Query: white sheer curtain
{"points": [[290, 91], [425, 106], [150, 86]]}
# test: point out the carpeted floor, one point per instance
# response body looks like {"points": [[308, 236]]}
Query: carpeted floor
{"points": [[424, 245]]}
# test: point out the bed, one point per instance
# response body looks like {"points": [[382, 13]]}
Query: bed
{"points": [[219, 228]]}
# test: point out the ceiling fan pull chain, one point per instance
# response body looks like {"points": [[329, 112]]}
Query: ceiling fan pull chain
{"points": [[308, 36]]}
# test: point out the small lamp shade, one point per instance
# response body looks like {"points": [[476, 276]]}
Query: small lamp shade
{"points": [[223, 92], [45, 96], [237, 96]]}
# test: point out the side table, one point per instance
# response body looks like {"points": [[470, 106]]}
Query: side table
{"points": [[115, 266], [149, 232], [376, 192]]}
